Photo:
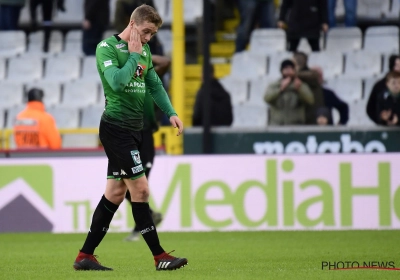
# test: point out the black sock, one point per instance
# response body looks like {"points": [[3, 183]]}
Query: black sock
{"points": [[101, 220], [136, 228], [144, 222]]}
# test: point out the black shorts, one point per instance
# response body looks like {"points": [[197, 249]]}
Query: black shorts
{"points": [[122, 150]]}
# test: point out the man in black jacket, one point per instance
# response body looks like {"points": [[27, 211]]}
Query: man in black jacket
{"points": [[379, 87], [388, 102], [220, 104], [97, 14], [303, 19]]}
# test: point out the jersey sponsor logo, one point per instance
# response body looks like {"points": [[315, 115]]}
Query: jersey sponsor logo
{"points": [[144, 53], [115, 173], [123, 172], [139, 71], [124, 51], [103, 44], [137, 169], [107, 63], [120, 46]]}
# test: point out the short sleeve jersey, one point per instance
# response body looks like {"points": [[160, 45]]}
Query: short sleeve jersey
{"points": [[123, 108]]}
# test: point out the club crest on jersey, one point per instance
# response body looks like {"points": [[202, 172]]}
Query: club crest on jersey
{"points": [[139, 71]]}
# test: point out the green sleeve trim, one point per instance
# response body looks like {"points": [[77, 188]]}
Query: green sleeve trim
{"points": [[118, 78], [137, 177], [158, 93]]}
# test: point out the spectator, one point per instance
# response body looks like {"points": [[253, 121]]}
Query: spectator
{"points": [[253, 12], [324, 116], [287, 97], [332, 101], [9, 14], [303, 19], [350, 17], [220, 104], [34, 128], [380, 86], [388, 102], [47, 15], [97, 14], [311, 78]]}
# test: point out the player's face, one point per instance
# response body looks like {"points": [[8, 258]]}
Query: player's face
{"points": [[146, 31]]}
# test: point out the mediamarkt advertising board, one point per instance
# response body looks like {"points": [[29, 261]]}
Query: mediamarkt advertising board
{"points": [[205, 193]]}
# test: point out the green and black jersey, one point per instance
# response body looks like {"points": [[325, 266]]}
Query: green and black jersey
{"points": [[126, 77]]}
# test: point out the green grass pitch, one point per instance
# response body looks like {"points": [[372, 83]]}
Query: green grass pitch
{"points": [[211, 255]]}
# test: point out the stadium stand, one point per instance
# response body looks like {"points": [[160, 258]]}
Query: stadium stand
{"points": [[362, 64], [36, 39], [89, 69], [73, 43], [62, 69], [51, 89], [12, 43], [257, 90], [80, 93], [267, 41], [236, 87], [12, 112], [2, 68], [65, 116], [25, 69], [382, 39], [11, 94], [347, 89], [246, 115], [331, 62], [344, 39], [247, 65]]}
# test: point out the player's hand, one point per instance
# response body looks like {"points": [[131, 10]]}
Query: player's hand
{"points": [[176, 123], [135, 44]]}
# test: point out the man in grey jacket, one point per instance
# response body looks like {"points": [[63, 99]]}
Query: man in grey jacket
{"points": [[288, 97]]}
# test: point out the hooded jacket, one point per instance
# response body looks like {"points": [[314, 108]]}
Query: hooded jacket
{"points": [[35, 128], [220, 106]]}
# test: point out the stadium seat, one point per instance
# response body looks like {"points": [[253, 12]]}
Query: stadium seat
{"points": [[267, 41], [274, 64], [246, 65], [109, 33], [358, 114], [344, 39], [394, 12], [2, 68], [80, 93], [372, 9], [165, 37], [164, 8], [236, 87], [2, 118], [63, 68], [330, 62], [347, 89], [12, 43], [51, 89], [382, 39], [36, 39], [11, 94], [193, 9], [91, 116], [73, 43], [304, 46], [65, 116], [362, 64], [89, 69], [257, 90], [249, 116], [25, 69], [12, 113]]}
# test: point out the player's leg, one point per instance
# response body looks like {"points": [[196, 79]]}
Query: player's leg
{"points": [[102, 216]]}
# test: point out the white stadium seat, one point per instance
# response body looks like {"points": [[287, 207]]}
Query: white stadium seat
{"points": [[257, 91], [382, 39], [91, 116], [25, 69], [36, 41], [11, 94], [165, 37], [73, 43], [80, 93], [63, 68], [12, 43], [344, 39], [2, 68], [267, 41], [358, 114], [245, 115], [65, 116], [246, 65], [362, 64], [51, 89], [372, 9], [2, 118], [12, 113], [89, 69], [236, 87], [347, 89], [330, 62]]}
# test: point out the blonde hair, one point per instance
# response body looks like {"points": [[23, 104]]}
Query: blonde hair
{"points": [[146, 13]]}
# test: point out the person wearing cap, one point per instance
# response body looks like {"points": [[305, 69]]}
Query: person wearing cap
{"points": [[288, 97], [34, 128]]}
